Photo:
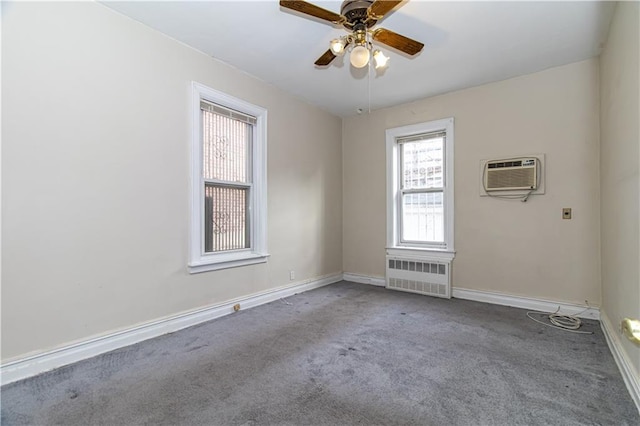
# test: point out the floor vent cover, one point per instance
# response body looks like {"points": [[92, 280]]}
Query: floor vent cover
{"points": [[425, 276]]}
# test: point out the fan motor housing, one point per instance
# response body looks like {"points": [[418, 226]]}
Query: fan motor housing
{"points": [[356, 11]]}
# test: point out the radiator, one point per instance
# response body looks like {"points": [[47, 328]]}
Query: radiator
{"points": [[423, 276]]}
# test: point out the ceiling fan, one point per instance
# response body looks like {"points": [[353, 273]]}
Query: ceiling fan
{"points": [[358, 17]]}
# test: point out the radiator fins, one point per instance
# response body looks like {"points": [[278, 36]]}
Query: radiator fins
{"points": [[426, 277]]}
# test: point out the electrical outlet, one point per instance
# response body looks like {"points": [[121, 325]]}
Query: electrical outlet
{"points": [[292, 275], [566, 213]]}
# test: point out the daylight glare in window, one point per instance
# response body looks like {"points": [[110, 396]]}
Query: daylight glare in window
{"points": [[422, 189]]}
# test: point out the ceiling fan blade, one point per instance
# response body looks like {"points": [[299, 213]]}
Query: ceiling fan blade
{"points": [[325, 59], [328, 56], [312, 10], [380, 8], [400, 42]]}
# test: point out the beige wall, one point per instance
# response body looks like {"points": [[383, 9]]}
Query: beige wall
{"points": [[620, 182], [517, 248], [95, 178]]}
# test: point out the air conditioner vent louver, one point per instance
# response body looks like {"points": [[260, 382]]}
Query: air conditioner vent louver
{"points": [[514, 174], [430, 277]]}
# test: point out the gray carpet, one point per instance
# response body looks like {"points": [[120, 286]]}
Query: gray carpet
{"points": [[340, 355]]}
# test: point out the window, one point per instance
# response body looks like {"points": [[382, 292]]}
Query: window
{"points": [[228, 217], [420, 187]]}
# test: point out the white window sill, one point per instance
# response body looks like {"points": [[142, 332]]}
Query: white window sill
{"points": [[225, 261], [422, 253]]}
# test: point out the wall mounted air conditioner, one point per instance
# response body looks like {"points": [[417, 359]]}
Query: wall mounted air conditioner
{"points": [[511, 174]]}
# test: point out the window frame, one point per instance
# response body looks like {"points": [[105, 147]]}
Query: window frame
{"points": [[199, 260], [395, 243]]}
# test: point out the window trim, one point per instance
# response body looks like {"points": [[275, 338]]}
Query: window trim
{"points": [[394, 236], [199, 261]]}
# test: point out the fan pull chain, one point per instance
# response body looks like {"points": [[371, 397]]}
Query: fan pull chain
{"points": [[369, 78], [369, 88]]}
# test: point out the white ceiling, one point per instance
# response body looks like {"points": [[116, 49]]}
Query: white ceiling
{"points": [[466, 44]]}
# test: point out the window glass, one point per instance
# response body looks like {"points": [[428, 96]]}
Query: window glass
{"points": [[423, 217], [226, 142], [226, 147], [422, 208], [225, 218], [422, 163]]}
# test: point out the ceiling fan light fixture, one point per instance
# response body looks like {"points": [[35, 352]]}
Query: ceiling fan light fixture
{"points": [[380, 59], [358, 17], [337, 46], [359, 56]]}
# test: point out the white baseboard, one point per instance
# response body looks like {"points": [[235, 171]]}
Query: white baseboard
{"points": [[22, 368], [629, 373], [530, 303], [364, 279]]}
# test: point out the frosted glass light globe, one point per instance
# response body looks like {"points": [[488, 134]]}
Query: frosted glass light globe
{"points": [[380, 59], [359, 56], [337, 47]]}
